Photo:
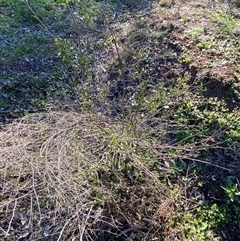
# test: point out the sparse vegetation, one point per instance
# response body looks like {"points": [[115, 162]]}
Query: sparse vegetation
{"points": [[119, 120]]}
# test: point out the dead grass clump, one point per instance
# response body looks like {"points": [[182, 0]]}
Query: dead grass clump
{"points": [[41, 196], [66, 176]]}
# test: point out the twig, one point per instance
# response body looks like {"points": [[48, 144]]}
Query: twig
{"points": [[13, 214], [36, 196], [114, 42], [206, 162], [75, 23], [4, 231], [68, 221], [38, 19]]}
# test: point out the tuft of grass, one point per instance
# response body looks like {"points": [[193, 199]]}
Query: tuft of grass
{"points": [[195, 32]]}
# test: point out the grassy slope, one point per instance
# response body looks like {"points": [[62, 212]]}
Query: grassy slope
{"points": [[144, 145]]}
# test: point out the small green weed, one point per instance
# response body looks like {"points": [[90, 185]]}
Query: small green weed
{"points": [[186, 60], [185, 18], [231, 189], [194, 32], [204, 45]]}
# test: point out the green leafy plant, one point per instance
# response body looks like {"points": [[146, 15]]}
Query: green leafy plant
{"points": [[185, 18], [194, 32], [231, 189], [204, 45], [186, 60], [199, 225]]}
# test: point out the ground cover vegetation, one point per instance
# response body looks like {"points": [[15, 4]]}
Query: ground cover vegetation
{"points": [[119, 120]]}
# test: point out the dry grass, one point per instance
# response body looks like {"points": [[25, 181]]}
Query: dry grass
{"points": [[37, 179], [66, 176], [69, 176]]}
